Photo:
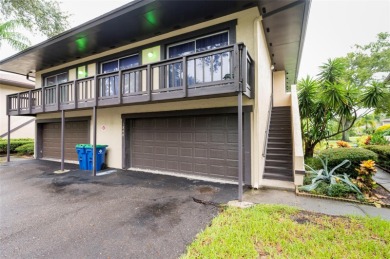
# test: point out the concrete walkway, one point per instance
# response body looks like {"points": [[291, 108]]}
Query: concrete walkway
{"points": [[383, 178], [330, 207]]}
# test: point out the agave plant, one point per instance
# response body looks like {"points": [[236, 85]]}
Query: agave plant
{"points": [[329, 177]]}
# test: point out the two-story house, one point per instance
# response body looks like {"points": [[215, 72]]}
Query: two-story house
{"points": [[199, 89]]}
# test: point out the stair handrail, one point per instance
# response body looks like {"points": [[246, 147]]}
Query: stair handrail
{"points": [[267, 128]]}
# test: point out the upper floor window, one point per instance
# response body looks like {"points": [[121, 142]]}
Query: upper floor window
{"points": [[205, 69], [119, 64], [56, 79], [199, 44]]}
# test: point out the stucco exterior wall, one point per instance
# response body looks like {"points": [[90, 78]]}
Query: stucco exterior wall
{"points": [[249, 31], [27, 131], [281, 97], [263, 78], [109, 120], [244, 33]]}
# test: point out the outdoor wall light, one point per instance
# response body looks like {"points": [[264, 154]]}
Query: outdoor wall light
{"points": [[150, 55]]}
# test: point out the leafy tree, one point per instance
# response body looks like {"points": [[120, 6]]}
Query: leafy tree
{"points": [[330, 98], [369, 122], [42, 16], [15, 39], [368, 61]]}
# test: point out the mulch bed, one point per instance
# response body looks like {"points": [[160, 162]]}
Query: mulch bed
{"points": [[351, 198]]}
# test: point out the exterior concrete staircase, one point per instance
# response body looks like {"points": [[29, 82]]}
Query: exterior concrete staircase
{"points": [[278, 160]]}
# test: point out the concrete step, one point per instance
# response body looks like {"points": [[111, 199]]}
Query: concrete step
{"points": [[278, 185], [275, 134], [282, 169], [280, 123], [284, 150], [279, 163], [279, 145], [280, 117], [285, 139], [281, 108], [279, 156], [276, 176], [280, 128]]}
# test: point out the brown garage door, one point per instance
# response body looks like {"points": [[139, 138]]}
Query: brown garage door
{"points": [[76, 132], [198, 145]]}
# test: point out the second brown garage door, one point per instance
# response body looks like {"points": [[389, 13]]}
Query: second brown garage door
{"points": [[76, 132], [197, 145]]}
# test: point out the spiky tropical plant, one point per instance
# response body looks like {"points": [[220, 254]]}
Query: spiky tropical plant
{"points": [[325, 175]]}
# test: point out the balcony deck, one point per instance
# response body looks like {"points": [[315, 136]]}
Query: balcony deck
{"points": [[217, 72]]}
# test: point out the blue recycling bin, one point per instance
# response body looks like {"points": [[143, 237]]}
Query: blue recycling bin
{"points": [[100, 156], [82, 156]]}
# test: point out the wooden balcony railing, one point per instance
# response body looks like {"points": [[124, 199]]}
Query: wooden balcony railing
{"points": [[222, 71]]}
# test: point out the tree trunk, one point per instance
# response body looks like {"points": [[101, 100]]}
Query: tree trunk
{"points": [[345, 135], [309, 150]]}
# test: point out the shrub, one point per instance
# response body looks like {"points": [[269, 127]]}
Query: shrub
{"points": [[383, 153], [26, 149], [378, 139], [14, 143], [354, 155], [363, 141], [382, 129], [341, 143], [365, 173], [338, 190]]}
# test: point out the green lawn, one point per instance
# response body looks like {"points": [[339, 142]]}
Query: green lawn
{"points": [[271, 231]]}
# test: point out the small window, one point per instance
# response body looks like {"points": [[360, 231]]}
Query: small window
{"points": [[182, 49], [110, 67], [128, 62], [56, 79], [82, 72]]}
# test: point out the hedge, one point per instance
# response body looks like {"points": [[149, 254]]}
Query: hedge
{"points": [[14, 144], [383, 152], [26, 149], [337, 155]]}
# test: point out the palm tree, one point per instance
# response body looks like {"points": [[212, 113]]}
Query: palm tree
{"points": [[13, 38], [369, 121]]}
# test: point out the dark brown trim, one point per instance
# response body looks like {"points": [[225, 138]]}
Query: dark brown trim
{"points": [[84, 118], [246, 109]]}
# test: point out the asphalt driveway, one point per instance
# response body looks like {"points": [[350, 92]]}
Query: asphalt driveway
{"points": [[121, 215]]}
